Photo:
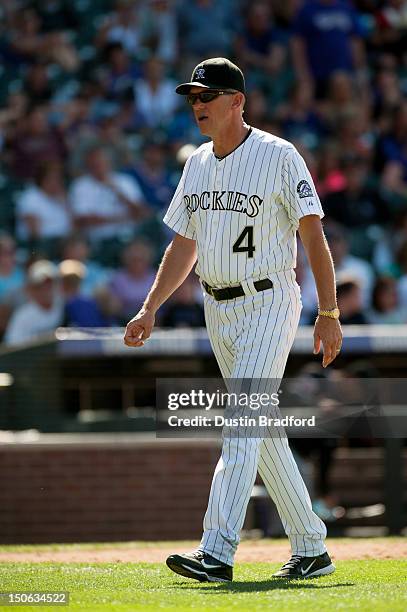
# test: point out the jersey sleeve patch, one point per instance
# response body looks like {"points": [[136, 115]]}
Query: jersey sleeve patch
{"points": [[304, 190]]}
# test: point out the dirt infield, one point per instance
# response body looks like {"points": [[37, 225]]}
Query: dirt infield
{"points": [[249, 551]]}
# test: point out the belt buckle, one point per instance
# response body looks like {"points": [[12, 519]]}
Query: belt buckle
{"points": [[209, 289]]}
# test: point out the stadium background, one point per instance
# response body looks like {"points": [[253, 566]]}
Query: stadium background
{"points": [[88, 113]]}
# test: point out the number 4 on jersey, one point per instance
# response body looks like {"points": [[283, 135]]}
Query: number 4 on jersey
{"points": [[249, 248]]}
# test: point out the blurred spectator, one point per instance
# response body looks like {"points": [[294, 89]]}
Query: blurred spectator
{"points": [[57, 15], [34, 143], [346, 265], [92, 97], [390, 253], [183, 309], [386, 306], [37, 86], [260, 46], [387, 95], [131, 284], [11, 274], [106, 135], [326, 39], [11, 114], [392, 157], [205, 28], [341, 100], [155, 95], [349, 298], [79, 130], [298, 118], [122, 26], [121, 72], [358, 204], [42, 209], [106, 204], [96, 276], [28, 43], [394, 185], [353, 134], [257, 107], [11, 279], [44, 310], [159, 27], [80, 310], [329, 174], [151, 173], [391, 32], [349, 265]]}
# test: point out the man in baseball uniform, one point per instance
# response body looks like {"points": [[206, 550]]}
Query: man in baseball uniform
{"points": [[240, 201]]}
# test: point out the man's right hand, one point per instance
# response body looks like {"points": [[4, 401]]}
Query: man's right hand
{"points": [[139, 328]]}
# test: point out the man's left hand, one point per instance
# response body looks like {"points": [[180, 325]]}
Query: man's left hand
{"points": [[329, 332]]}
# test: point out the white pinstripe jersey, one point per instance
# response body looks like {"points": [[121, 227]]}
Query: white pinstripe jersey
{"points": [[243, 210]]}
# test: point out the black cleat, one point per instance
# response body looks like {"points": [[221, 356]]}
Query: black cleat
{"points": [[200, 566], [306, 567]]}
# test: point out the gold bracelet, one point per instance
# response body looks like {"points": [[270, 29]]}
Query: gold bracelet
{"points": [[331, 314]]}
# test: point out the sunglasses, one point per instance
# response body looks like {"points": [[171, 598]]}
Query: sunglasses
{"points": [[207, 96]]}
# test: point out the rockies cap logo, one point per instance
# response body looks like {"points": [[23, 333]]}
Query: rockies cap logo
{"points": [[200, 73]]}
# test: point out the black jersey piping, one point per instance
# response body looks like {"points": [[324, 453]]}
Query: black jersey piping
{"points": [[235, 149]]}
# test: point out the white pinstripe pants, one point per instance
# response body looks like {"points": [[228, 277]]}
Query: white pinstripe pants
{"points": [[251, 337]]}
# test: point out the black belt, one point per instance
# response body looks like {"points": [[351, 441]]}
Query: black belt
{"points": [[229, 293]]}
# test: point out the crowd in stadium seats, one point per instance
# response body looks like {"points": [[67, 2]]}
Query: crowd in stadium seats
{"points": [[93, 139]]}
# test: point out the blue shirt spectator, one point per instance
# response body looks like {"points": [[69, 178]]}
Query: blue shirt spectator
{"points": [[327, 28], [153, 177], [80, 310], [119, 72], [11, 274], [83, 311], [261, 45]]}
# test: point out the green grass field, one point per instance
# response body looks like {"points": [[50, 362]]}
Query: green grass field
{"points": [[357, 585]]}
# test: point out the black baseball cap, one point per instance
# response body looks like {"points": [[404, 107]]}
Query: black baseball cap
{"points": [[214, 73]]}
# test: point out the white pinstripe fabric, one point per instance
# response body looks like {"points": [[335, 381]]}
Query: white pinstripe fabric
{"points": [[251, 337], [264, 167]]}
